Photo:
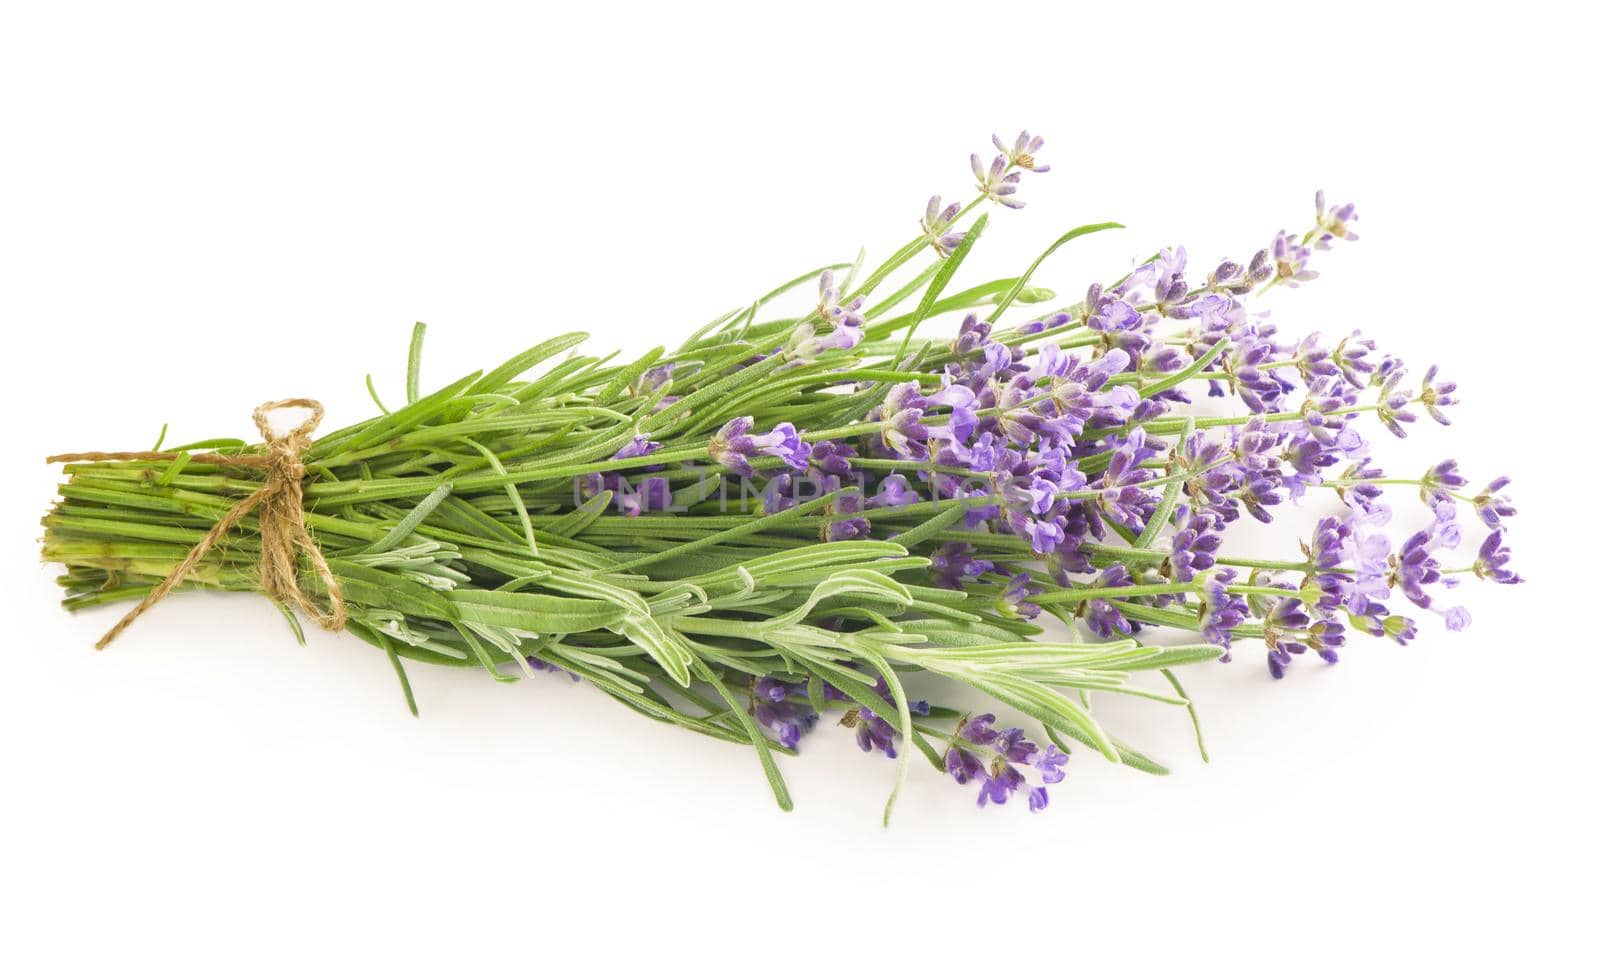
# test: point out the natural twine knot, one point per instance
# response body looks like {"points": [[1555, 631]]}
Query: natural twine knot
{"points": [[282, 518]]}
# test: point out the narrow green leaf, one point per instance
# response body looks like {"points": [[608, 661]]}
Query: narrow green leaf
{"points": [[533, 612], [513, 493], [903, 707], [1194, 715], [941, 279], [1017, 287], [774, 778], [525, 361], [373, 391], [1173, 380], [574, 522], [929, 528], [1169, 501], [414, 364], [409, 523]]}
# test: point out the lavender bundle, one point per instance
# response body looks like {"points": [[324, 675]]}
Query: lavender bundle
{"points": [[789, 517]]}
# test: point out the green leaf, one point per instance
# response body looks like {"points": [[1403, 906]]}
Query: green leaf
{"points": [[903, 708], [414, 364], [523, 362], [628, 375], [533, 612], [512, 492], [1169, 501], [663, 645], [388, 426], [929, 528], [373, 391], [1173, 380], [409, 523], [573, 522], [857, 582], [751, 528], [941, 279], [379, 589], [1194, 716], [1016, 289], [774, 778]]}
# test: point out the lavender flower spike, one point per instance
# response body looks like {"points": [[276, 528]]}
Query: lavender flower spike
{"points": [[995, 183], [1020, 154], [733, 445], [1333, 223], [936, 227]]}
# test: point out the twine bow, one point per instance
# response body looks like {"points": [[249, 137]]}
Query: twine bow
{"points": [[282, 520]]}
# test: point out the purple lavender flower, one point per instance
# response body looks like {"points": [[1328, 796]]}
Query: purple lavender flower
{"points": [[832, 458], [936, 227], [782, 709], [1351, 357], [873, 732], [1103, 618], [963, 765], [1393, 402], [1078, 393], [1021, 152], [849, 526], [543, 666], [1121, 497], [954, 564], [1492, 506], [1013, 744], [1018, 419], [1038, 798], [1283, 627], [1440, 480], [1050, 764], [639, 446], [894, 491], [1003, 780], [652, 495], [1325, 397], [1194, 543], [1437, 396], [972, 336], [1013, 602], [733, 445], [978, 729], [829, 308], [780, 493], [1051, 322], [996, 183], [1334, 222], [1220, 610], [1326, 636], [1357, 488], [1493, 558], [1234, 279], [962, 403], [1415, 567], [805, 346], [1289, 261], [653, 379]]}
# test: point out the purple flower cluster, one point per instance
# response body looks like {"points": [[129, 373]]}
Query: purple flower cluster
{"points": [[631, 495], [998, 181], [733, 445], [786, 710], [1062, 434], [981, 753]]}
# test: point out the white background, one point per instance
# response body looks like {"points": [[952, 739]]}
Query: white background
{"points": [[204, 207]]}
